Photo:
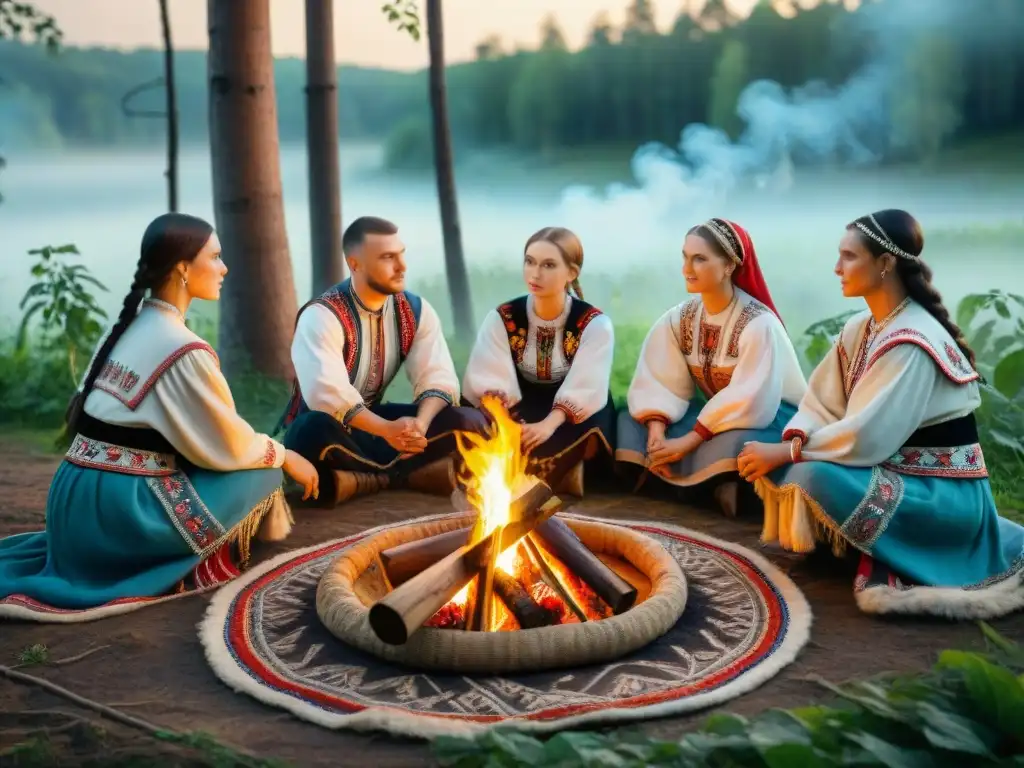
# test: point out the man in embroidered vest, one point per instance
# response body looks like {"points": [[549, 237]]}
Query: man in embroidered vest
{"points": [[349, 343]]}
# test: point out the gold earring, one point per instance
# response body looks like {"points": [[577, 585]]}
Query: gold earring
{"points": [[184, 279], [883, 273]]}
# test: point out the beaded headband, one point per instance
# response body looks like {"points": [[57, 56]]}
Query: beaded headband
{"points": [[726, 238], [884, 240]]}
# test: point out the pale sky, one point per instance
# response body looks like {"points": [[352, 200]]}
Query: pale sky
{"points": [[362, 33]]}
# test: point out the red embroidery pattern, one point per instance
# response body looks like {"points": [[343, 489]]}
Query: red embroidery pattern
{"points": [[118, 375], [96, 454], [572, 413], [171, 359], [270, 455], [335, 302], [406, 323], [545, 351], [197, 526], [375, 376], [960, 461], [956, 370], [868, 521], [859, 366], [516, 336], [750, 311], [686, 319], [711, 382], [571, 340], [710, 338]]}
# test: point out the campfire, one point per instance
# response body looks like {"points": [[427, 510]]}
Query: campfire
{"points": [[517, 567]]}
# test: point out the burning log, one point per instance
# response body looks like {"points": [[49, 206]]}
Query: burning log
{"points": [[560, 540], [548, 577], [406, 560], [397, 616], [528, 612]]}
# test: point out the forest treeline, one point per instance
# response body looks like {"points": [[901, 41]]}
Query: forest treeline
{"points": [[630, 84]]}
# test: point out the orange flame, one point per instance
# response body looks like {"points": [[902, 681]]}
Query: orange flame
{"points": [[495, 469]]}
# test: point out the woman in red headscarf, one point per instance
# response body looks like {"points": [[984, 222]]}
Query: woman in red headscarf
{"points": [[715, 372]]}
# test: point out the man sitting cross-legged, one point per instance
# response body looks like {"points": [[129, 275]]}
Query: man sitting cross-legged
{"points": [[349, 343]]}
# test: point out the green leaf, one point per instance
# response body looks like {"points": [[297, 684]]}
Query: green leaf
{"points": [[725, 724], [1001, 309], [968, 307], [997, 694], [952, 732], [890, 755], [25, 320], [980, 337], [1009, 374]]}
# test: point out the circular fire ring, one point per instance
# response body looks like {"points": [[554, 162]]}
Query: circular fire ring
{"points": [[660, 603]]}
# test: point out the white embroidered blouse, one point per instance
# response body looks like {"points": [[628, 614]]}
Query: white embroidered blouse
{"points": [[741, 359], [877, 386], [318, 355], [541, 358], [163, 376]]}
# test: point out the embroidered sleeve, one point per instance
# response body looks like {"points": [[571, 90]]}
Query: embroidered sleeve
{"points": [[429, 365], [318, 355], [824, 402], [584, 390], [490, 369], [191, 405], [754, 393], [662, 386], [886, 407]]}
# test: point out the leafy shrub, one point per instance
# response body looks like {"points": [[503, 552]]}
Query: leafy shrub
{"points": [[967, 710]]}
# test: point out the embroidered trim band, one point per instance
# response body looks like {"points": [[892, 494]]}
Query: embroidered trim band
{"points": [[96, 454], [705, 433], [446, 396], [960, 461]]}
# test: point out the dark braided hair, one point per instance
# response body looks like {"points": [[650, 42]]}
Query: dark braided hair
{"points": [[903, 230], [168, 240]]}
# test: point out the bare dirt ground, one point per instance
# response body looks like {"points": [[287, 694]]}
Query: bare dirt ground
{"points": [[152, 665]]}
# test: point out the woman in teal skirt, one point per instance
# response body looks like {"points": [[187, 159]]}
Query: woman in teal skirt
{"points": [[164, 485], [883, 453]]}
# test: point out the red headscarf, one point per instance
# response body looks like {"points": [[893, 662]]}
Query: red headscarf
{"points": [[748, 276]]}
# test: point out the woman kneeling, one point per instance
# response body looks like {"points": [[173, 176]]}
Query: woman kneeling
{"points": [[883, 454], [164, 485]]}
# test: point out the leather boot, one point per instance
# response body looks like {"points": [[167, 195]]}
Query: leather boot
{"points": [[349, 485], [727, 496], [572, 483], [436, 478]]}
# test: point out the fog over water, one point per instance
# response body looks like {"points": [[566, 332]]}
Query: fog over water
{"points": [[103, 200]]}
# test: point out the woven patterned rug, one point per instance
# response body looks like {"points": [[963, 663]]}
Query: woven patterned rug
{"points": [[744, 621]]}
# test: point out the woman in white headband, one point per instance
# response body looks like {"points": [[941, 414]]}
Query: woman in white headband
{"points": [[883, 454], [714, 372]]}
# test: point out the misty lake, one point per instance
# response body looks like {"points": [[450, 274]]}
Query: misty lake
{"points": [[103, 200]]}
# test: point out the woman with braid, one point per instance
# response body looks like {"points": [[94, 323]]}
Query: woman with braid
{"points": [[164, 485], [883, 453], [548, 357]]}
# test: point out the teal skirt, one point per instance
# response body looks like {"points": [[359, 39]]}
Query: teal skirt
{"points": [[711, 459], [930, 543], [115, 540]]}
